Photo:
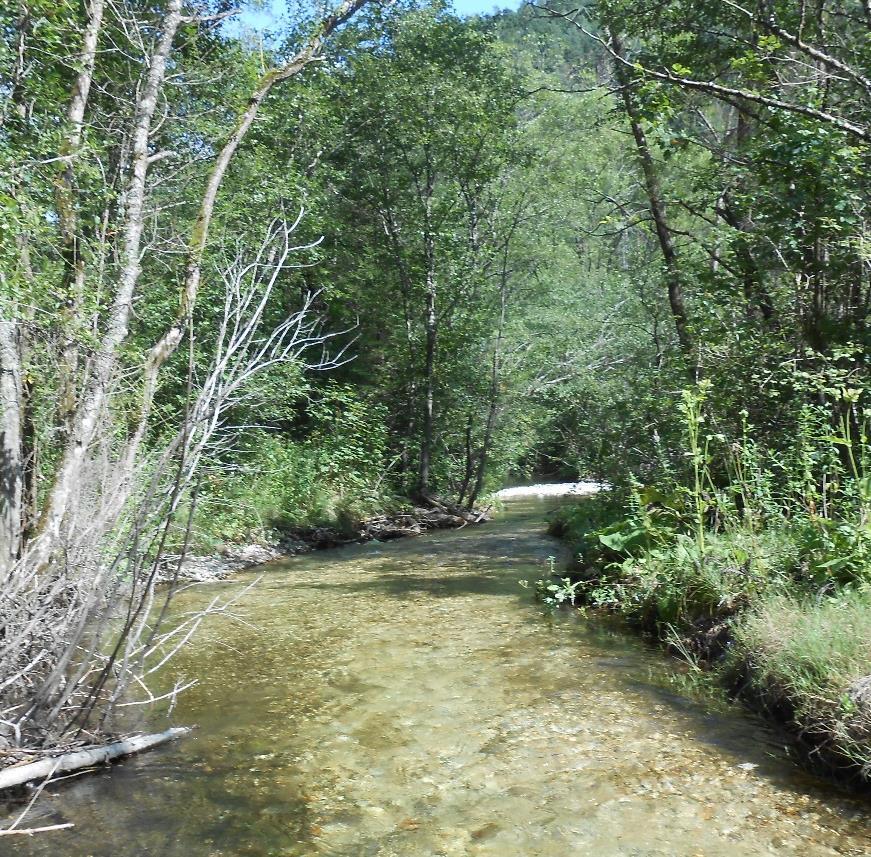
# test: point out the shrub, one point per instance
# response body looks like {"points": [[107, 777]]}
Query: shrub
{"points": [[335, 476]]}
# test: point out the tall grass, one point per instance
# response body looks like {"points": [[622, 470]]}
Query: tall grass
{"points": [[814, 655]]}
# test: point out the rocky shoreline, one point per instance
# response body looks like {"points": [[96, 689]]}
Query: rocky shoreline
{"points": [[298, 540], [436, 515]]}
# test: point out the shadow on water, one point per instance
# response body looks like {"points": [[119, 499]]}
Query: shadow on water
{"points": [[742, 736], [731, 729], [405, 586]]}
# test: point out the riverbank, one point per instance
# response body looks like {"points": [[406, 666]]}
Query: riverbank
{"points": [[412, 521], [740, 609], [293, 541]]}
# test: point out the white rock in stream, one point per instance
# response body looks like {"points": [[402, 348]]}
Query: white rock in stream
{"points": [[556, 489]]}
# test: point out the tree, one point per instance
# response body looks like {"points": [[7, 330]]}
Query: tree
{"points": [[96, 279], [427, 115]]}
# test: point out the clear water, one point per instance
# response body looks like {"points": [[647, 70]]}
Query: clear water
{"points": [[409, 699]]}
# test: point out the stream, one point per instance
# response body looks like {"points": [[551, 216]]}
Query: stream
{"points": [[410, 699]]}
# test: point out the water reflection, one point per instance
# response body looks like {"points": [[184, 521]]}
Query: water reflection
{"points": [[408, 699]]}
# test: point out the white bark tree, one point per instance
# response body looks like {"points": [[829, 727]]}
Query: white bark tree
{"points": [[66, 664], [107, 501]]}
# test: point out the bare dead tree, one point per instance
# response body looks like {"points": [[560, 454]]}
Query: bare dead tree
{"points": [[85, 636], [85, 417], [87, 559]]}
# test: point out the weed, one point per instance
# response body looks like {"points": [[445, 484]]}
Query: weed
{"points": [[770, 548]]}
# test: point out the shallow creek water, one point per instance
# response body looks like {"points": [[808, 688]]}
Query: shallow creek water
{"points": [[409, 699]]}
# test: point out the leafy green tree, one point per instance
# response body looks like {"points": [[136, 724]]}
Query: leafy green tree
{"points": [[427, 116]]}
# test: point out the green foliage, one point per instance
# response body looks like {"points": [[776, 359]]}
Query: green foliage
{"points": [[489, 165], [555, 593], [770, 549], [273, 479], [428, 119], [836, 552], [490, 154], [614, 525], [810, 654], [334, 475], [706, 547]]}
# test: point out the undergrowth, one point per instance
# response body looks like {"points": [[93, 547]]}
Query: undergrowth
{"points": [[270, 483], [753, 564]]}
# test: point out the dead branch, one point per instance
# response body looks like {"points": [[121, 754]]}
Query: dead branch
{"points": [[18, 775]]}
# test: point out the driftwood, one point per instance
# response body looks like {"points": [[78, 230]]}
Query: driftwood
{"points": [[449, 508], [30, 831], [438, 515], [18, 775]]}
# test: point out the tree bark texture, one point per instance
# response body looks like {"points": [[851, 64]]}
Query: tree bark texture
{"points": [[18, 775], [657, 206]]}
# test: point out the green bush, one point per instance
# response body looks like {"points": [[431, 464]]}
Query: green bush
{"points": [[771, 548], [336, 476]]}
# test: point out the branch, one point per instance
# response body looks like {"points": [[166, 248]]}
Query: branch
{"points": [[724, 93], [830, 62], [311, 52], [20, 774]]}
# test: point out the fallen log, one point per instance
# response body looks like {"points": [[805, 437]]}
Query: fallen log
{"points": [[30, 831], [483, 515], [452, 509], [386, 533], [442, 521], [18, 775]]}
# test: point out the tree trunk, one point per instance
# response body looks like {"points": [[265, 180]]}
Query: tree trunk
{"points": [[431, 328], [405, 293], [11, 458], [470, 463], [652, 186], [72, 289], [93, 400], [18, 775], [426, 444], [13, 387], [495, 374], [757, 297]]}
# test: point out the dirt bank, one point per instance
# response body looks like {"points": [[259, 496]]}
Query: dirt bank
{"points": [[299, 540]]}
